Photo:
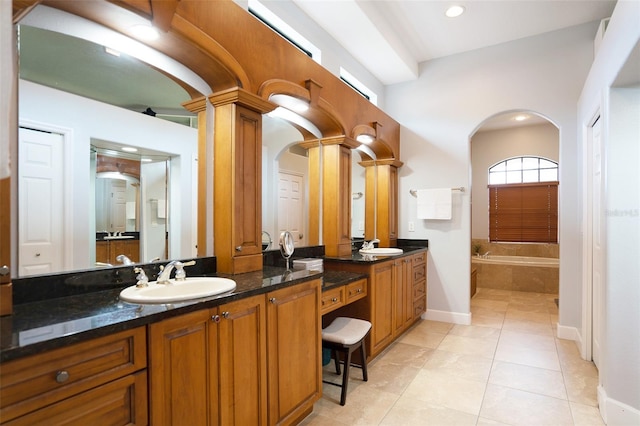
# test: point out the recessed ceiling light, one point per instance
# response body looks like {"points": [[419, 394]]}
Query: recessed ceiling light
{"points": [[454, 11], [129, 149], [520, 117], [145, 32]]}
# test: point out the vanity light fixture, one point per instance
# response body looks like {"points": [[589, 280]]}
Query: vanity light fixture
{"points": [[129, 149], [365, 138], [111, 51], [454, 11], [144, 32], [290, 102]]}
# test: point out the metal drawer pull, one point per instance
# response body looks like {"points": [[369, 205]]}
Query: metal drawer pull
{"points": [[215, 318], [272, 300], [335, 299], [225, 314], [62, 376]]}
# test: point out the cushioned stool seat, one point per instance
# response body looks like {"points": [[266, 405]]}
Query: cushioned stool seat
{"points": [[345, 335]]}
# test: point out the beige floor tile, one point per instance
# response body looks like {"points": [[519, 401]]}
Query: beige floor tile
{"points": [[403, 354], [526, 356], [364, 406], [473, 331], [537, 317], [530, 379], [471, 367], [483, 347], [494, 305], [527, 340], [585, 415], [442, 389], [434, 326], [479, 310], [516, 407], [488, 422], [315, 419], [392, 378], [408, 411], [582, 389], [483, 321], [423, 337], [529, 327]]}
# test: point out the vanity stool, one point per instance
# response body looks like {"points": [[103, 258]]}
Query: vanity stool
{"points": [[346, 335]]}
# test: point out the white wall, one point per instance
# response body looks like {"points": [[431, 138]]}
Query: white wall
{"points": [[619, 108], [90, 119], [442, 109], [492, 146]]}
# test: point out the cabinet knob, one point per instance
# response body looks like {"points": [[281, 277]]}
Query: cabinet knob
{"points": [[62, 376], [215, 318], [272, 299], [359, 290], [225, 314], [335, 299], [238, 248]]}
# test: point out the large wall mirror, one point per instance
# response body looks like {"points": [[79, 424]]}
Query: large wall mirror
{"points": [[81, 102], [285, 182], [358, 184]]}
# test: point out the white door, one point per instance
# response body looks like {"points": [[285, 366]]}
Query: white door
{"points": [[291, 206], [118, 205], [597, 267], [40, 202]]}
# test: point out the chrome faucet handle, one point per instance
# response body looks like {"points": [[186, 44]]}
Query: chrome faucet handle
{"points": [[143, 280], [181, 275]]}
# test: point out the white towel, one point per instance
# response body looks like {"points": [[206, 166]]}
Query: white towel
{"points": [[434, 204], [162, 209]]}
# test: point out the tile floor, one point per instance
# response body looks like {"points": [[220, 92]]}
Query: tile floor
{"points": [[507, 368]]}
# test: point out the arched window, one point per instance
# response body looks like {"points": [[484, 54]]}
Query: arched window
{"points": [[523, 200], [523, 170]]}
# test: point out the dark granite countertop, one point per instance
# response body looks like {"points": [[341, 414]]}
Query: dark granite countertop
{"points": [[48, 324], [339, 278], [356, 257]]}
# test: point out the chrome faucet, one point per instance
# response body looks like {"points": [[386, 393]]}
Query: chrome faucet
{"points": [[165, 271], [142, 279], [369, 245], [124, 259]]}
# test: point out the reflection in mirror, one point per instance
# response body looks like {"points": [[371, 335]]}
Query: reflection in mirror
{"points": [[76, 93], [358, 196], [285, 177]]}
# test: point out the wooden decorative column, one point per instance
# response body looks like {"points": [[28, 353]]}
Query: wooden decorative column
{"points": [[237, 181], [336, 195], [315, 192]]}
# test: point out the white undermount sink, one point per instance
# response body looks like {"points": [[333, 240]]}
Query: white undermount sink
{"points": [[382, 251], [178, 291]]}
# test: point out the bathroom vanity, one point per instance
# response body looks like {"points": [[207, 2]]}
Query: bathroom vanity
{"points": [[247, 357]]}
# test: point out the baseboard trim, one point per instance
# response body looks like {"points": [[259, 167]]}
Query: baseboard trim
{"points": [[616, 413], [567, 333], [447, 316]]}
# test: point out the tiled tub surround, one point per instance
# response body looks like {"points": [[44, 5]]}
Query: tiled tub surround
{"points": [[539, 279]]}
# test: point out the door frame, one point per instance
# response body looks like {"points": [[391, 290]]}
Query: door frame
{"points": [[586, 346], [67, 185]]}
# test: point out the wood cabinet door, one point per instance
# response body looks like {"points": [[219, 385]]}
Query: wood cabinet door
{"points": [[294, 351], [242, 348], [382, 306], [182, 371]]}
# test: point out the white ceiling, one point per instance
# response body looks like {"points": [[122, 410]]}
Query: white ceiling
{"points": [[391, 37]]}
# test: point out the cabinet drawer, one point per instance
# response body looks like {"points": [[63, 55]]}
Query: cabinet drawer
{"points": [[419, 289], [30, 383], [419, 273], [356, 290], [419, 307], [121, 402], [419, 259], [332, 299]]}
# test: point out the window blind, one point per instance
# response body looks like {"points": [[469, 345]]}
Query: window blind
{"points": [[526, 212]]}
